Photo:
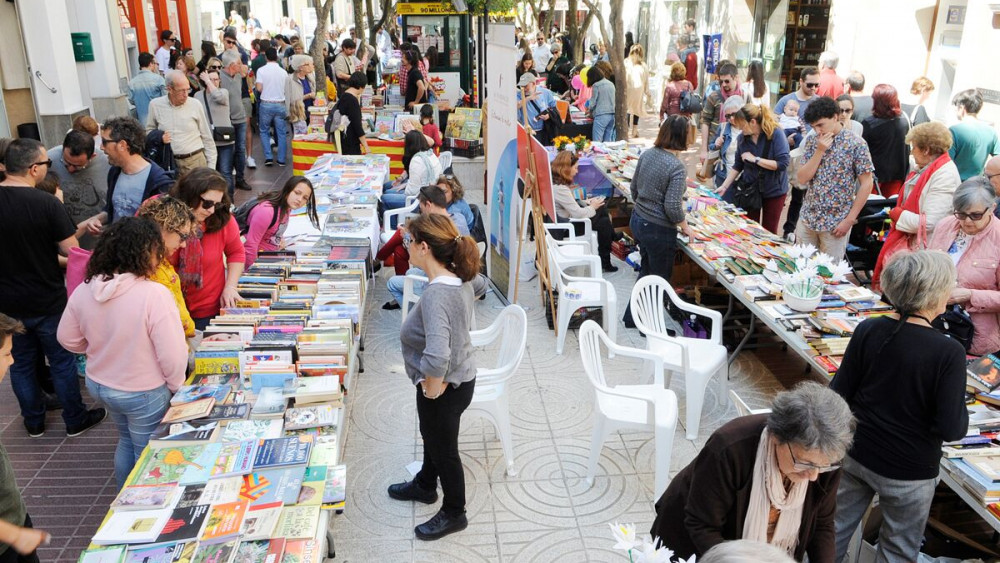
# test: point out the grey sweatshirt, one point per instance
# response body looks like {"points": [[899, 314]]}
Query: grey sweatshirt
{"points": [[435, 336], [658, 187]]}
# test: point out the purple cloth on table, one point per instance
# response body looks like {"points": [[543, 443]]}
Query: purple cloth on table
{"points": [[590, 178]]}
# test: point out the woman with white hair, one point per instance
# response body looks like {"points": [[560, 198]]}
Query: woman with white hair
{"points": [[745, 551], [301, 83], [905, 383], [730, 139], [770, 478], [971, 237]]}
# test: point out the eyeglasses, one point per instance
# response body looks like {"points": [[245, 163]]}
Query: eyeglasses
{"points": [[806, 466], [47, 163], [812, 84], [990, 176], [209, 204], [215, 67], [974, 216], [846, 110], [106, 142], [230, 42], [75, 167]]}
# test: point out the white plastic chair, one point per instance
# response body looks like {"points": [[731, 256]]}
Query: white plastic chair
{"points": [[589, 235], [697, 359], [742, 408], [594, 291], [410, 297], [570, 254], [411, 208], [491, 398], [639, 407], [445, 159]]}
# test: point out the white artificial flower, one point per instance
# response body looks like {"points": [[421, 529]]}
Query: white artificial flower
{"points": [[624, 534], [649, 554], [691, 559], [771, 265], [821, 259], [800, 251], [569, 147], [840, 271]]}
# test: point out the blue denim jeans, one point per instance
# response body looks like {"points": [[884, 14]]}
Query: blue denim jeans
{"points": [[224, 164], [604, 128], [40, 337], [393, 199], [136, 413], [657, 246], [272, 116], [395, 284], [240, 150]]}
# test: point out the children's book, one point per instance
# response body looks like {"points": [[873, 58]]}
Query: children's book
{"points": [[223, 522], [145, 497], [276, 485], [298, 522], [235, 458], [313, 484], [282, 452], [166, 465]]}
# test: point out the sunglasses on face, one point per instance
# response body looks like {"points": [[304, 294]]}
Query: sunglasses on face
{"points": [[185, 236], [974, 216], [47, 163], [106, 142], [806, 466], [215, 67], [730, 115], [846, 110], [812, 84], [209, 204]]}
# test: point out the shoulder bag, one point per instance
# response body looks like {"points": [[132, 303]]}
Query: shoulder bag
{"points": [[748, 196], [220, 134], [956, 323]]}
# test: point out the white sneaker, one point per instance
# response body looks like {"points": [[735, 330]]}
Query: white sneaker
{"points": [[251, 163]]}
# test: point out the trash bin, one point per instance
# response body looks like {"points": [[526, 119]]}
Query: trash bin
{"points": [[29, 131]]}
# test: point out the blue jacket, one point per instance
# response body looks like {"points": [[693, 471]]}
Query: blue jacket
{"points": [[158, 182]]}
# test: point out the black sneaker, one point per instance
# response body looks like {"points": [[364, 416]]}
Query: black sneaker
{"points": [[269, 162], [242, 184], [35, 430], [609, 268], [391, 306], [93, 418], [281, 164], [411, 491], [441, 525]]}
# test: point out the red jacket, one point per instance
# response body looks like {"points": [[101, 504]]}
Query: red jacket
{"points": [[978, 270]]}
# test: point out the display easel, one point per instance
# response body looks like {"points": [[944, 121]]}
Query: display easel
{"points": [[538, 221]]}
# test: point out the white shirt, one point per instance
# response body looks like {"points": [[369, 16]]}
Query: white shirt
{"points": [[162, 57], [542, 55], [272, 79]]}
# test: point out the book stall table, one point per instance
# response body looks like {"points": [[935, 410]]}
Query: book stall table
{"points": [[306, 151], [247, 461], [617, 165]]}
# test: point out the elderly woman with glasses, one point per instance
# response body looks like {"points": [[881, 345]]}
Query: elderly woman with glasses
{"points": [[770, 478], [905, 384], [972, 239]]}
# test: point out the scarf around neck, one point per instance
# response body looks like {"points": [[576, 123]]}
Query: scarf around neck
{"points": [[189, 261], [736, 91], [768, 490]]}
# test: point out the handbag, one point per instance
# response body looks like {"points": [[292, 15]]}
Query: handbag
{"points": [[748, 196], [220, 134], [956, 323]]}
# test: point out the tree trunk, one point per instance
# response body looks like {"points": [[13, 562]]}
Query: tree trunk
{"points": [[359, 21], [323, 10], [371, 23], [614, 39], [550, 16], [383, 21]]}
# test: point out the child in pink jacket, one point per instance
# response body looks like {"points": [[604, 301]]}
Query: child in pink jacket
{"points": [[130, 330]]}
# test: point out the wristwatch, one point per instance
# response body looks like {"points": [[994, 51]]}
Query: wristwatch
{"points": [[756, 160]]}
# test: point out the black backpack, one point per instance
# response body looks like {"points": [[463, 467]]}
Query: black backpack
{"points": [[690, 102], [242, 215]]}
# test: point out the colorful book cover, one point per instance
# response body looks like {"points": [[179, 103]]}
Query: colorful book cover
{"points": [[166, 465], [313, 484], [144, 497], [180, 552], [232, 411], [254, 429], [235, 458], [184, 524], [189, 411], [260, 521], [189, 433], [216, 362], [260, 551], [230, 379], [223, 522], [109, 554], [222, 491], [310, 417], [298, 522], [336, 485], [276, 485], [188, 393], [283, 452], [215, 553], [200, 470], [301, 551]]}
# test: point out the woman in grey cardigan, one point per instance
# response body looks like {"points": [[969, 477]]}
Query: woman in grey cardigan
{"points": [[437, 354]]}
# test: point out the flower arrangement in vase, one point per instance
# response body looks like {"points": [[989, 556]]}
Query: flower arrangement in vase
{"points": [[579, 143], [642, 550], [805, 274]]}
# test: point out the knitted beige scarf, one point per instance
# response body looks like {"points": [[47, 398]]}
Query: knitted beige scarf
{"points": [[768, 490]]}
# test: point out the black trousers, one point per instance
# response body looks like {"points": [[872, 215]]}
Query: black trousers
{"points": [[793, 210], [11, 556], [439, 421]]}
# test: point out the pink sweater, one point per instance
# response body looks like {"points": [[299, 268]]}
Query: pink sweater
{"points": [[260, 236], [978, 270], [130, 330]]}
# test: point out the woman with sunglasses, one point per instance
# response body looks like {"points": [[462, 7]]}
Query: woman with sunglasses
{"points": [[846, 104], [905, 383], [176, 222], [971, 237], [208, 283], [269, 218], [215, 99], [770, 478]]}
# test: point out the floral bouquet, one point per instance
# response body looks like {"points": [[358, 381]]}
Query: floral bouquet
{"points": [[579, 143], [804, 274], [641, 550]]}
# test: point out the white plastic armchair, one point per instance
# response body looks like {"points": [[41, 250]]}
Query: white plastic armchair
{"points": [[491, 398], [632, 407], [410, 296], [445, 159], [411, 208], [589, 236], [742, 408], [696, 358], [569, 254], [577, 292]]}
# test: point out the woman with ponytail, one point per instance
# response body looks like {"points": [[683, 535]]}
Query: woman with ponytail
{"points": [[762, 163], [437, 354]]}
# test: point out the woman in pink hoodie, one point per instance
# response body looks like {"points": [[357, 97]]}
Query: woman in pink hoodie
{"points": [[130, 330], [269, 218]]}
